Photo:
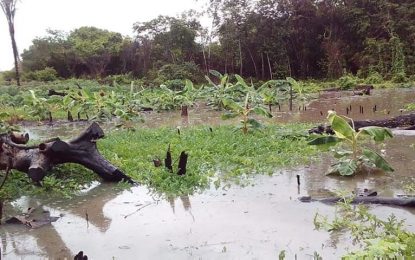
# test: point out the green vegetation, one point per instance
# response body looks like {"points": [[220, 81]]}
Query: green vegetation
{"points": [[263, 40], [91, 100], [357, 157], [217, 154], [378, 238]]}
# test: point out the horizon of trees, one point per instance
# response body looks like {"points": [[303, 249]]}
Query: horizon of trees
{"points": [[265, 39]]}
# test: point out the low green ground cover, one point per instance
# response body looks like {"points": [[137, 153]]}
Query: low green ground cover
{"points": [[218, 156]]}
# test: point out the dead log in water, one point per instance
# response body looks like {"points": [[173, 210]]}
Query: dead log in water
{"points": [[37, 160], [401, 202], [407, 122]]}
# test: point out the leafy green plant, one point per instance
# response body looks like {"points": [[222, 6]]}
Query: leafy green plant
{"points": [[40, 107], [187, 96], [347, 82], [45, 75], [215, 154], [374, 78], [399, 77], [378, 238], [224, 89], [356, 157], [244, 111], [4, 125]]}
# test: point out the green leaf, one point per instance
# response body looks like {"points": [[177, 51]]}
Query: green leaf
{"points": [[340, 126], [224, 80], [229, 115], [342, 153], [268, 84], [377, 133], [232, 105], [241, 81], [377, 160], [254, 123], [210, 81], [344, 168], [215, 73], [189, 85], [262, 112], [4, 115]]}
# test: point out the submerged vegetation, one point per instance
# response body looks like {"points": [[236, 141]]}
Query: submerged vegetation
{"points": [[377, 238]]}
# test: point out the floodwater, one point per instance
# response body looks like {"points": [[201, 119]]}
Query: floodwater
{"points": [[256, 221]]}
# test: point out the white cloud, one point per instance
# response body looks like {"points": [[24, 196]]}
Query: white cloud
{"points": [[33, 17]]}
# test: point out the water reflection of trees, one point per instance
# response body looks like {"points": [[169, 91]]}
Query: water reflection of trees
{"points": [[17, 239]]}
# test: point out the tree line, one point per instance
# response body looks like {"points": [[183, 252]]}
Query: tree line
{"points": [[264, 39]]}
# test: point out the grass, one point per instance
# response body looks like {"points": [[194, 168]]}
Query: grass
{"points": [[222, 154], [218, 156]]}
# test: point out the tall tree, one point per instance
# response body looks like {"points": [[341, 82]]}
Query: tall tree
{"points": [[94, 48], [9, 9]]}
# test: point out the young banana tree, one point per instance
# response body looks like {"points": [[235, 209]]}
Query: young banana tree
{"points": [[274, 92], [187, 97], [356, 157], [244, 111], [217, 93]]}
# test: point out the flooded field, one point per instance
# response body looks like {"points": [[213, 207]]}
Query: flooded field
{"points": [[256, 221]]}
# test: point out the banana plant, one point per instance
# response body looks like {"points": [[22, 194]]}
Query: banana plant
{"points": [[5, 126], [274, 92], [244, 111], [188, 96], [40, 107], [356, 157], [217, 93]]}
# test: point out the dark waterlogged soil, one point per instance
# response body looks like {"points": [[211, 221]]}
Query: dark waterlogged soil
{"points": [[233, 222]]}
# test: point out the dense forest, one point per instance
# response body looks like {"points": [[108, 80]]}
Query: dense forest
{"points": [[265, 39]]}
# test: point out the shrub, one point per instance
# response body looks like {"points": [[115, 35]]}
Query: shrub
{"points": [[347, 81], [187, 70], [374, 78], [45, 75], [9, 75], [121, 79], [175, 84], [399, 78]]}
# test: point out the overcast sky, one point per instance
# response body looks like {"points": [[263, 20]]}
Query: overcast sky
{"points": [[33, 17]]}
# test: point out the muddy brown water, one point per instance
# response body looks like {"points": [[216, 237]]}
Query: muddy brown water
{"points": [[256, 221]]}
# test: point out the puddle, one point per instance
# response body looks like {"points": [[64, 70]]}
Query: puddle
{"points": [[252, 222]]}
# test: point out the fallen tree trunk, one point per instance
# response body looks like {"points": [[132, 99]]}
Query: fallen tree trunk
{"points": [[399, 121], [401, 202], [405, 121], [37, 160]]}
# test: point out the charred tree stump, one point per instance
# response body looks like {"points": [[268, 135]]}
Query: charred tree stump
{"points": [[168, 162], [184, 112], [37, 160], [70, 117], [182, 163]]}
